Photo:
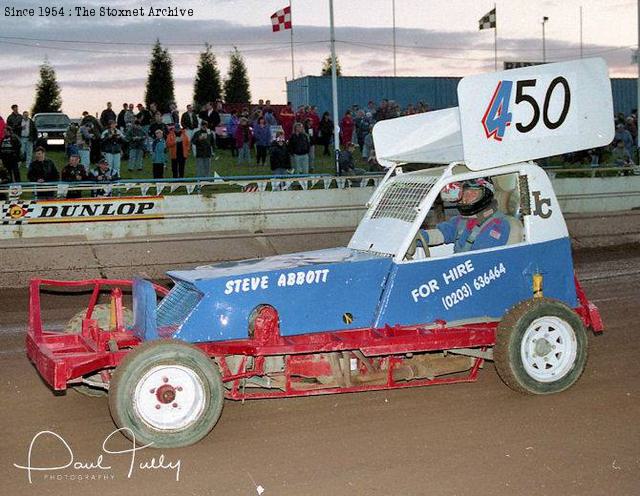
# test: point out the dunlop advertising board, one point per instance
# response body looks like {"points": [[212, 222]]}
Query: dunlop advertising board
{"points": [[81, 210]]}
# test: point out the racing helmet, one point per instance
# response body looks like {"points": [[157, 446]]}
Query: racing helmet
{"points": [[487, 191]]}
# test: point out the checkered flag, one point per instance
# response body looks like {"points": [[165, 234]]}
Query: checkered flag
{"points": [[489, 20], [16, 212], [281, 20]]}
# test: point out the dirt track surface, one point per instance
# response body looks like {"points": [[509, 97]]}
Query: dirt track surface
{"points": [[468, 439]]}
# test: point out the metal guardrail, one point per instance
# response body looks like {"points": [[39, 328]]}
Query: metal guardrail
{"points": [[221, 184], [593, 171], [198, 185]]}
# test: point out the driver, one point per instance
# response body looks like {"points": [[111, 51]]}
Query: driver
{"points": [[479, 225]]}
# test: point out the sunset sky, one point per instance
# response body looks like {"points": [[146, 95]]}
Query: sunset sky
{"points": [[106, 58]]}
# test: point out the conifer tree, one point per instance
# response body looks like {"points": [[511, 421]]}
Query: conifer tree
{"points": [[160, 79], [207, 86], [326, 67], [48, 97], [236, 85]]}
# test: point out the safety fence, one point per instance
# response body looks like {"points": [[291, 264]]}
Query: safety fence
{"points": [[229, 184], [202, 185], [249, 204]]}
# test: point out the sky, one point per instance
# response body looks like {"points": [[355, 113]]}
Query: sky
{"points": [[99, 58]]}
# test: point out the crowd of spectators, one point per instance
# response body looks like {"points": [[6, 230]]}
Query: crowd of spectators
{"points": [[621, 152], [97, 146], [289, 139]]}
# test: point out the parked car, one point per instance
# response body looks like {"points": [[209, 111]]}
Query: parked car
{"points": [[51, 127]]}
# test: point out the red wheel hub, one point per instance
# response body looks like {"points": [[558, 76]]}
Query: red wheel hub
{"points": [[166, 394]]}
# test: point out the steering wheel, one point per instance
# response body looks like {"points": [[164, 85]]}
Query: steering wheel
{"points": [[411, 251]]}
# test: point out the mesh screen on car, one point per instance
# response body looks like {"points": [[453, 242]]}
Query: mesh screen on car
{"points": [[174, 308], [402, 197]]}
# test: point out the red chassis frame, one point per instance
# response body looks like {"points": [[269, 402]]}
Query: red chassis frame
{"points": [[64, 358]]}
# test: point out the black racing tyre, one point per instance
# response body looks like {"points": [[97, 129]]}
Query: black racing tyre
{"points": [[541, 347], [166, 393], [102, 314]]}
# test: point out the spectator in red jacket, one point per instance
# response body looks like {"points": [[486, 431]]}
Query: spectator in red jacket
{"points": [[346, 129], [244, 138], [315, 120], [178, 145], [287, 118], [2, 126]]}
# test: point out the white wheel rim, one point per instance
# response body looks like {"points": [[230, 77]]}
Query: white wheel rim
{"points": [[169, 397], [549, 349]]}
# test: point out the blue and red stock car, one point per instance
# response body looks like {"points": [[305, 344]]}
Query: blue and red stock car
{"points": [[387, 311]]}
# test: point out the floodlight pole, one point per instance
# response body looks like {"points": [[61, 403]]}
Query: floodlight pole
{"points": [[544, 46], [495, 41], [581, 54], [638, 82], [334, 91], [393, 8]]}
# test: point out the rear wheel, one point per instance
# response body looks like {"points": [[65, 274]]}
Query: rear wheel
{"points": [[167, 394], [541, 347]]}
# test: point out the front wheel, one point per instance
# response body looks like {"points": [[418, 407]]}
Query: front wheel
{"points": [[167, 394], [541, 347]]}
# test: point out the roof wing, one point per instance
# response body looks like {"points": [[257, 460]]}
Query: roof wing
{"points": [[508, 117], [430, 137]]}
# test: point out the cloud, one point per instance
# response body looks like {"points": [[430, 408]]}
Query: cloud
{"points": [[95, 55]]}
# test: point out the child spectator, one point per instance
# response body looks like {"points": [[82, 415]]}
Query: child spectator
{"points": [[243, 141], [262, 136], [74, 171], [158, 154]]}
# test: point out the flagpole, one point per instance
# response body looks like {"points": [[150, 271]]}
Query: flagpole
{"points": [[393, 8], [581, 31], [293, 72], [334, 90], [495, 40]]}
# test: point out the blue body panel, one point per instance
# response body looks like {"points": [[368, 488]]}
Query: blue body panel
{"points": [[311, 291], [448, 289], [144, 309], [341, 289]]}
